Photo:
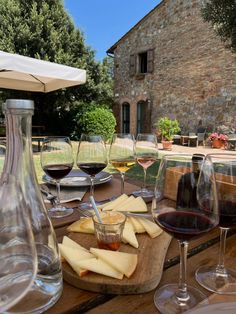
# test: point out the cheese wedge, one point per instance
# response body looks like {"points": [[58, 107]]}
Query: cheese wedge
{"points": [[69, 242], [151, 228], [83, 225], [137, 226], [137, 205], [112, 204], [98, 266], [129, 236], [73, 255], [125, 203], [124, 263]]}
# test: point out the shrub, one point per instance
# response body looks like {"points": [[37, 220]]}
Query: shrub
{"points": [[98, 121]]}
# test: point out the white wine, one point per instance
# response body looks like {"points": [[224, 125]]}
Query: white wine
{"points": [[123, 165]]}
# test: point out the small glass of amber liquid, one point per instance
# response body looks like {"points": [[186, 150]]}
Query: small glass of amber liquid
{"points": [[109, 232]]}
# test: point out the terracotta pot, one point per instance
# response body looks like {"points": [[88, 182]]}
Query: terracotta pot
{"points": [[217, 144], [167, 145]]}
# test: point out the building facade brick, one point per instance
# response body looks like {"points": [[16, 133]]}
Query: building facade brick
{"points": [[193, 78]]}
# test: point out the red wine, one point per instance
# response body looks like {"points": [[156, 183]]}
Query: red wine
{"points": [[227, 211], [146, 161], [184, 225], [92, 168], [57, 171]]}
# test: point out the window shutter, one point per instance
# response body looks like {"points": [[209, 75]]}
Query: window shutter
{"points": [[150, 60], [132, 65]]}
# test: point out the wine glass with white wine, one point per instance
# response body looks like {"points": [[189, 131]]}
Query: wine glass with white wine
{"points": [[122, 156]]}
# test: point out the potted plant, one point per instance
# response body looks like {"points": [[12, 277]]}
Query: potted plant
{"points": [[167, 129], [218, 140]]}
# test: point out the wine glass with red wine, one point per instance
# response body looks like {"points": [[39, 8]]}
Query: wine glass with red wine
{"points": [[185, 206], [219, 278], [146, 153], [57, 162], [91, 159]]}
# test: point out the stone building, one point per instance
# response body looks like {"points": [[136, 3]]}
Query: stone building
{"points": [[171, 63]]}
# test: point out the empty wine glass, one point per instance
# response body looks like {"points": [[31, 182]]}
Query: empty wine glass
{"points": [[146, 153], [18, 260], [218, 278], [57, 162], [91, 159], [175, 212], [122, 154]]}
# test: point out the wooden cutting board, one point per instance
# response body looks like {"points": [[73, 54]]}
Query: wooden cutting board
{"points": [[151, 256]]}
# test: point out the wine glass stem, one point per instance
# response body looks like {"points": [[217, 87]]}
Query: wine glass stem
{"points": [[144, 178], [122, 174], [220, 268], [92, 186], [182, 293], [58, 199]]}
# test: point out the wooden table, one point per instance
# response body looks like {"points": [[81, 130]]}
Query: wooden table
{"points": [[184, 140], [201, 251], [39, 140], [231, 143], [38, 129]]}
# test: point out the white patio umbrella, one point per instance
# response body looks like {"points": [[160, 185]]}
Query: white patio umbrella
{"points": [[29, 74]]}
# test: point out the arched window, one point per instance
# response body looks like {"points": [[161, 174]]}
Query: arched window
{"points": [[126, 117]]}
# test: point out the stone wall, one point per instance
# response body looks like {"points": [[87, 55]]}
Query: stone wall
{"points": [[194, 76]]}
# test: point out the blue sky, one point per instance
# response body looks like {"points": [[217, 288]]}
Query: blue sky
{"points": [[103, 22]]}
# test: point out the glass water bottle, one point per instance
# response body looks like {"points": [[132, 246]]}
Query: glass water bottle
{"points": [[48, 284]]}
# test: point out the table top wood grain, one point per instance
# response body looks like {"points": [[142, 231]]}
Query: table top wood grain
{"points": [[202, 251]]}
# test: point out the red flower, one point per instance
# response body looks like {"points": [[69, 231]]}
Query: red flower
{"points": [[216, 136]]}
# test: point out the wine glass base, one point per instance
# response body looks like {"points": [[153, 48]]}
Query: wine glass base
{"points": [[60, 212], [144, 193], [85, 205], [167, 303], [207, 277], [88, 205]]}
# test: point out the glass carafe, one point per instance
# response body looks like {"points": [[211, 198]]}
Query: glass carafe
{"points": [[18, 262], [48, 284]]}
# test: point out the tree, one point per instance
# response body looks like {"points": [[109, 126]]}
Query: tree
{"points": [[43, 29], [222, 16]]}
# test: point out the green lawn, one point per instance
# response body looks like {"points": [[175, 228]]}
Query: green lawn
{"points": [[135, 172]]}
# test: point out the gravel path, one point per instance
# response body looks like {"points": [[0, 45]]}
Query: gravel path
{"points": [[193, 150]]}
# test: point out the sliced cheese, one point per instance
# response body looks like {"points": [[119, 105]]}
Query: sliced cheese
{"points": [[124, 263], [138, 227], [151, 228], [100, 267], [137, 205], [69, 242], [112, 204], [83, 225], [73, 255], [129, 236], [125, 203]]}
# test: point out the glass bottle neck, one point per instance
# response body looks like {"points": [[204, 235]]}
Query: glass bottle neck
{"points": [[19, 144]]}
